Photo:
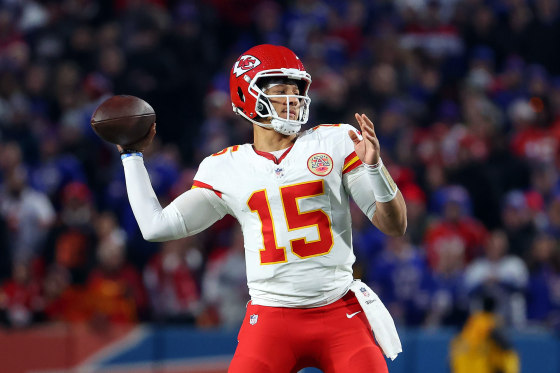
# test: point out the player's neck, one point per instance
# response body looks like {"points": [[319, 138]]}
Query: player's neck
{"points": [[268, 140]]}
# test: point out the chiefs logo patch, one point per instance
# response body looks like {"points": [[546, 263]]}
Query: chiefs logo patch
{"points": [[320, 164], [244, 64]]}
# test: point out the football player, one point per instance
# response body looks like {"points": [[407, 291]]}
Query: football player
{"points": [[290, 192]]}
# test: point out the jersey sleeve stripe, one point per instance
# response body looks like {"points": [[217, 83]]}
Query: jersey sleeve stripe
{"points": [[325, 125], [351, 162], [349, 158], [200, 184]]}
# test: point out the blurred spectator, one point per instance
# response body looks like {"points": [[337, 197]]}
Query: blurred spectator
{"points": [[401, 277], [28, 215], [115, 290], [456, 229], [267, 23], [518, 224], [55, 170], [21, 301], [217, 129], [417, 214], [64, 301], [431, 32], [509, 85], [545, 181], [72, 240], [529, 139], [536, 205], [171, 281], [501, 276], [331, 97], [449, 303], [224, 284], [543, 295], [302, 18]]}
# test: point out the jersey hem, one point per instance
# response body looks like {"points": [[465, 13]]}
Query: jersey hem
{"points": [[267, 302]]}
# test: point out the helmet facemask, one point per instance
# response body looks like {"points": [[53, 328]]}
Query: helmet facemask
{"points": [[264, 107]]}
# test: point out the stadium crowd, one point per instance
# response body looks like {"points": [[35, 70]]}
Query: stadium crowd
{"points": [[465, 96]]}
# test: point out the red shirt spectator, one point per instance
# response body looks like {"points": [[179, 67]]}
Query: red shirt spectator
{"points": [[455, 230], [115, 287], [171, 284], [20, 298]]}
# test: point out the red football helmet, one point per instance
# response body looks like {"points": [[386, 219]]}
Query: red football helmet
{"points": [[266, 63]]}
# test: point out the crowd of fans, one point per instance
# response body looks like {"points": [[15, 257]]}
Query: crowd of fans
{"points": [[465, 96]]}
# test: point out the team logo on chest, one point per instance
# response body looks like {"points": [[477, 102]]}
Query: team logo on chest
{"points": [[320, 164]]}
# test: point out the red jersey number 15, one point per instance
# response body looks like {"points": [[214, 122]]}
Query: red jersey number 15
{"points": [[295, 219]]}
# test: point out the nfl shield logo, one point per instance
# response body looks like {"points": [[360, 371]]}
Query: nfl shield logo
{"points": [[364, 292], [253, 319]]}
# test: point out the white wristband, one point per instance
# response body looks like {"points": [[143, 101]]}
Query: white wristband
{"points": [[384, 188]]}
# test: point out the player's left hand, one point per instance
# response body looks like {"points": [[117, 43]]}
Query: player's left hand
{"points": [[366, 149]]}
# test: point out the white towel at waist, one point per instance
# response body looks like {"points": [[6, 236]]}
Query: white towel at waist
{"points": [[380, 320]]}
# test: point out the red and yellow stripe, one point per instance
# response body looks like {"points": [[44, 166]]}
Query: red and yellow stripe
{"points": [[200, 184], [351, 162], [325, 125], [233, 148]]}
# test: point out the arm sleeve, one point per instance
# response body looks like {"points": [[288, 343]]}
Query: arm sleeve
{"points": [[358, 185], [190, 213]]}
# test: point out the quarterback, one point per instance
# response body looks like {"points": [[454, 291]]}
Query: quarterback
{"points": [[290, 192]]}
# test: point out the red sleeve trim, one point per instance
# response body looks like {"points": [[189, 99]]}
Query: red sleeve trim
{"points": [[325, 125], [200, 184], [351, 162], [349, 158]]}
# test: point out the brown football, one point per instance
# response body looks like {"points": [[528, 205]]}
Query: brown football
{"points": [[123, 119]]}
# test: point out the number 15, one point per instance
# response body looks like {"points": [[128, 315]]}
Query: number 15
{"points": [[295, 219]]}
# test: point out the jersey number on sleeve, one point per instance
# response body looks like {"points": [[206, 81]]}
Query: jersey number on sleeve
{"points": [[295, 219]]}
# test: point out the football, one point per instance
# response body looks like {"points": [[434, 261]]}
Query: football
{"points": [[123, 119]]}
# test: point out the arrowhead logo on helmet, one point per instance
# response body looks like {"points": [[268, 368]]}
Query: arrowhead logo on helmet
{"points": [[244, 64]]}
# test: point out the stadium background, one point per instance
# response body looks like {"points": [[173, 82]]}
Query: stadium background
{"points": [[465, 96]]}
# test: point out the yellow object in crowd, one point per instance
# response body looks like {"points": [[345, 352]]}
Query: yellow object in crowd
{"points": [[476, 349]]}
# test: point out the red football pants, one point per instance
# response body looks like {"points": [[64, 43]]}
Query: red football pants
{"points": [[336, 339]]}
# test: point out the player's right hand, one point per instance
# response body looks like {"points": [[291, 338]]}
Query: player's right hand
{"points": [[143, 143]]}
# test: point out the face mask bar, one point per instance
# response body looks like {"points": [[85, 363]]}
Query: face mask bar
{"points": [[265, 109]]}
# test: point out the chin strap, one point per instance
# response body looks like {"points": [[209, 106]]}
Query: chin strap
{"points": [[278, 125], [285, 127]]}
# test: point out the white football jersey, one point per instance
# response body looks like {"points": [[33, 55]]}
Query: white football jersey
{"points": [[294, 214]]}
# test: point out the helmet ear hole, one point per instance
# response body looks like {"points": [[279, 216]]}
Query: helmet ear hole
{"points": [[240, 93], [263, 105]]}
